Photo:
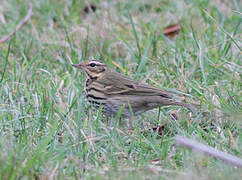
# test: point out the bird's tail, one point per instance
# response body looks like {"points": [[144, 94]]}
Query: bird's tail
{"points": [[178, 99], [190, 106]]}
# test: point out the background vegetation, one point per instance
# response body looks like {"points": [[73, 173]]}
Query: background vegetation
{"points": [[47, 129]]}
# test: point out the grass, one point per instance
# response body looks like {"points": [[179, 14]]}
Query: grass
{"points": [[48, 130]]}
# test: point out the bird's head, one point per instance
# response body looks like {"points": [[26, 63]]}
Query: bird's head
{"points": [[92, 68]]}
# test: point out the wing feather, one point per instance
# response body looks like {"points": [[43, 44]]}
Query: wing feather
{"points": [[117, 83]]}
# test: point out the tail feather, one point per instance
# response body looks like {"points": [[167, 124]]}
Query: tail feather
{"points": [[192, 107]]}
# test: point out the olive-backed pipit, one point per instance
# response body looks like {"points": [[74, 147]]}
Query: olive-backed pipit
{"points": [[114, 90]]}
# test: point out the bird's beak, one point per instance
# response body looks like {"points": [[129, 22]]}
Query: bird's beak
{"points": [[77, 66]]}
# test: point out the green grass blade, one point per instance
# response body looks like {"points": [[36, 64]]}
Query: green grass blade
{"points": [[6, 61]]}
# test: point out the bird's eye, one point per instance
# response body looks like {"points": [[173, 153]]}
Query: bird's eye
{"points": [[92, 64]]}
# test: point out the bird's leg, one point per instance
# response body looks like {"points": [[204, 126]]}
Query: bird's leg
{"points": [[159, 114], [131, 116]]}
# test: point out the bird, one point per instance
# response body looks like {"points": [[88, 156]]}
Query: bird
{"points": [[112, 90]]}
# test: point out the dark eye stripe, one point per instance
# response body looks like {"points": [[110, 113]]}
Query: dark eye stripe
{"points": [[93, 64]]}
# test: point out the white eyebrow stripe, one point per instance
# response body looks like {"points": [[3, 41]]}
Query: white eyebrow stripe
{"points": [[96, 62]]}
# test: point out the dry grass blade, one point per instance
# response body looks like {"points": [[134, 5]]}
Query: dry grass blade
{"points": [[209, 150], [21, 23]]}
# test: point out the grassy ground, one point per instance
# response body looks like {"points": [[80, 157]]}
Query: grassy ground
{"points": [[47, 130]]}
